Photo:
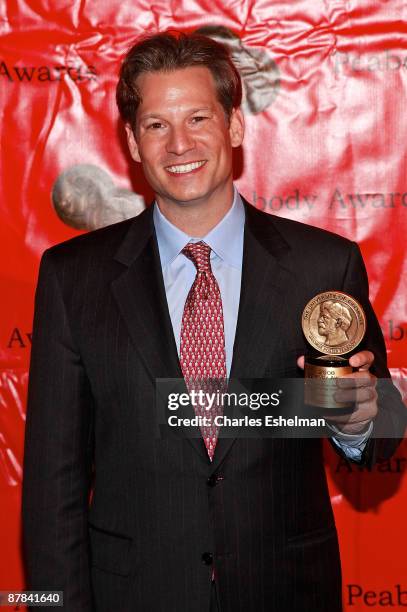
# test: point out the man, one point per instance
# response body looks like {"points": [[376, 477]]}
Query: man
{"points": [[185, 524]]}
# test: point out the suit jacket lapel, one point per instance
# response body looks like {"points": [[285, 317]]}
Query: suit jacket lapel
{"points": [[265, 285], [264, 288], [140, 295]]}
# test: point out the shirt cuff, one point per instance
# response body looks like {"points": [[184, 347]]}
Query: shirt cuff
{"points": [[351, 444]]}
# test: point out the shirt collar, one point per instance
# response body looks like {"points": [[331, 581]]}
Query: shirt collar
{"points": [[225, 239]]}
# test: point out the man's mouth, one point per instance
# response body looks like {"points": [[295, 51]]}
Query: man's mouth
{"points": [[184, 168]]}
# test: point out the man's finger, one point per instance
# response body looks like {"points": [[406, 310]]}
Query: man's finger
{"points": [[356, 395], [364, 412], [362, 360], [357, 379], [300, 362]]}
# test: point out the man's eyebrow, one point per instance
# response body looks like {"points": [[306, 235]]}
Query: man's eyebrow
{"points": [[150, 116], [202, 109]]}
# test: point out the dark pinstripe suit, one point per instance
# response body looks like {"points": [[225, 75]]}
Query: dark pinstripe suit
{"points": [[102, 335]]}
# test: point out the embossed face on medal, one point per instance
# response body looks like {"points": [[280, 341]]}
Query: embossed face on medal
{"points": [[334, 322]]}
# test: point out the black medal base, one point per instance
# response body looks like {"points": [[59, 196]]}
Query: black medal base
{"points": [[320, 384]]}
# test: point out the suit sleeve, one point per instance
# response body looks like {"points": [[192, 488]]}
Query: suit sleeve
{"points": [[58, 453], [392, 414]]}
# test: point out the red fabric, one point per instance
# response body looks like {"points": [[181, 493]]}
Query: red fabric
{"points": [[325, 97]]}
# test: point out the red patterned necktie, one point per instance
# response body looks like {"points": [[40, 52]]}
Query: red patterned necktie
{"points": [[202, 352]]}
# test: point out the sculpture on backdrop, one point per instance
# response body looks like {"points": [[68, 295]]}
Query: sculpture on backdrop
{"points": [[259, 72], [86, 198]]}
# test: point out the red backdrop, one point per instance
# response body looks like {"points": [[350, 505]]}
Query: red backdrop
{"points": [[325, 85]]}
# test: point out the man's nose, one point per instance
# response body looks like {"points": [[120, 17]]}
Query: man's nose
{"points": [[180, 140]]}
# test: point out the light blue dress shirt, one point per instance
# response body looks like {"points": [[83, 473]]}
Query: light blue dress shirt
{"points": [[226, 242]]}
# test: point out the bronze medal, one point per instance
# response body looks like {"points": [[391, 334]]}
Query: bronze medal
{"points": [[334, 323]]}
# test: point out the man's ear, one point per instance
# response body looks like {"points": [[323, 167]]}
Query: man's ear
{"points": [[131, 141], [236, 127]]}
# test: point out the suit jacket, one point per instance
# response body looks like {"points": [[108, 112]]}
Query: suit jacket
{"points": [[161, 515]]}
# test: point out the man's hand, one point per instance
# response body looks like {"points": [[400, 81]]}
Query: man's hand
{"points": [[358, 387]]}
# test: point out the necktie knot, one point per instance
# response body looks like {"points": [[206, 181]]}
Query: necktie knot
{"points": [[199, 253]]}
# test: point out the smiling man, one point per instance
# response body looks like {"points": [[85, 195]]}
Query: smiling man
{"points": [[199, 286], [184, 138]]}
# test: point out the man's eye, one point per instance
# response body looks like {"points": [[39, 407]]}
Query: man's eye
{"points": [[198, 119], [154, 126]]}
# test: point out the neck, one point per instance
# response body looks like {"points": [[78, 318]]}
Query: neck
{"points": [[196, 218]]}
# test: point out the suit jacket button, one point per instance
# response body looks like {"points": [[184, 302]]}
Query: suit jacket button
{"points": [[213, 480], [207, 558]]}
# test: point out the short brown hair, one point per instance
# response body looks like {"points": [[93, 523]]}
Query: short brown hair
{"points": [[168, 51]]}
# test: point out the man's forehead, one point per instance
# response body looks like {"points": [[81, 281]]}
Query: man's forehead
{"points": [[187, 90], [196, 80]]}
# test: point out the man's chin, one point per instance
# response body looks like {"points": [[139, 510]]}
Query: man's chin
{"points": [[186, 198]]}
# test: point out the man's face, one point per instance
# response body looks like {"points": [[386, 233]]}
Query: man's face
{"points": [[326, 323], [183, 138]]}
